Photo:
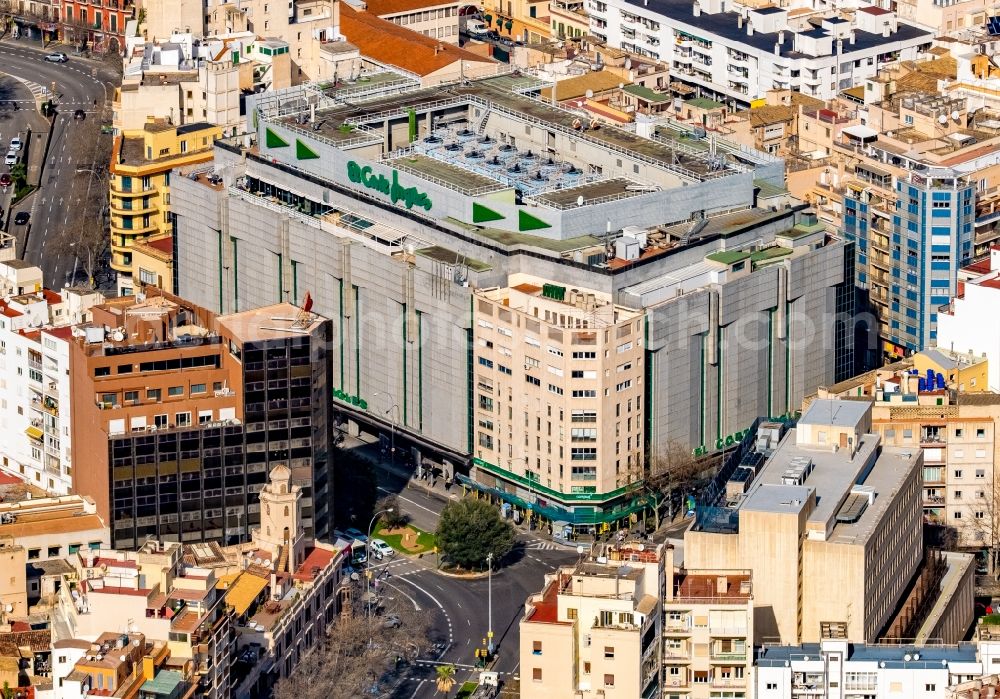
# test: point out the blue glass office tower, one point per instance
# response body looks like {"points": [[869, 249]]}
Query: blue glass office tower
{"points": [[909, 248]]}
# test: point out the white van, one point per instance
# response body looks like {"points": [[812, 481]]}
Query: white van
{"points": [[476, 27]]}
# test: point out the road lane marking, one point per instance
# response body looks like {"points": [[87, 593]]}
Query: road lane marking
{"points": [[415, 504]]}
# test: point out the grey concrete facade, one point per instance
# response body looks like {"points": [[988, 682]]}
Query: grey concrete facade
{"points": [[402, 321]]}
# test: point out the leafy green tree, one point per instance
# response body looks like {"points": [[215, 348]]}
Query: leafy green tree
{"points": [[469, 530]]}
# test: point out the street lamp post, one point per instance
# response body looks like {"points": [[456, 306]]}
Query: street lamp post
{"points": [[368, 559], [489, 631], [392, 423]]}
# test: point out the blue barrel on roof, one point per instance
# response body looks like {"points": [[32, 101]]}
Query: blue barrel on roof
{"points": [[921, 384], [940, 380]]}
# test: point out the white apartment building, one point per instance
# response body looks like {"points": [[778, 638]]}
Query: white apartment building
{"points": [[708, 634], [960, 324], [836, 668], [186, 81], [734, 52], [594, 629], [559, 394]]}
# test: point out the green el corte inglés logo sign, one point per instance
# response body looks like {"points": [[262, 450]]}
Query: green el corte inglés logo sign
{"points": [[410, 196]]}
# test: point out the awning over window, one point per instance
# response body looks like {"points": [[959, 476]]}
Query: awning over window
{"points": [[34, 433], [861, 133]]}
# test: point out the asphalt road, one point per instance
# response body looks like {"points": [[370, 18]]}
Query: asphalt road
{"points": [[460, 608], [79, 83], [16, 115]]}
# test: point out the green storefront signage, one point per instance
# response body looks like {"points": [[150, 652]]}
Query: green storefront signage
{"points": [[410, 196], [348, 398]]}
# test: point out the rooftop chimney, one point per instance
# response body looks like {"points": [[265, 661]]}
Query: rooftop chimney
{"points": [[739, 21], [697, 10], [853, 37], [885, 30], [749, 28], [781, 37]]}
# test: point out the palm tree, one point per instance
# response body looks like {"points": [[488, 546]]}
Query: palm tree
{"points": [[445, 678]]}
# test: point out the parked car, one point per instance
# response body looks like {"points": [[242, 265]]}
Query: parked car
{"points": [[11, 158], [57, 57], [15, 143], [22, 218], [380, 549], [5, 180], [356, 535]]}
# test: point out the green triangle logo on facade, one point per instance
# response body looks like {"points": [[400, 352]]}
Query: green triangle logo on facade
{"points": [[304, 152], [272, 139], [527, 222], [481, 214]]}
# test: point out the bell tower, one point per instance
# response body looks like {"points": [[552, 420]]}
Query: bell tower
{"points": [[281, 518]]}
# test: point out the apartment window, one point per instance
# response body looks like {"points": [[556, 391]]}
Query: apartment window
{"points": [[34, 553], [555, 389], [197, 388], [488, 363], [102, 371], [160, 421], [980, 473], [570, 613], [588, 393], [958, 433], [583, 416], [536, 647], [586, 667], [131, 396], [580, 434], [536, 674], [907, 434], [174, 391], [583, 453], [980, 433], [958, 494], [182, 419], [148, 277], [584, 374], [152, 394], [623, 385], [930, 687], [958, 473], [55, 551], [609, 680], [535, 381], [958, 515], [772, 685], [585, 355], [609, 653], [979, 515]]}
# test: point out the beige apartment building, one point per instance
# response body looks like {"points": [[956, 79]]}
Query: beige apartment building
{"points": [[828, 522], [13, 585], [707, 634], [559, 396], [594, 629], [955, 431]]}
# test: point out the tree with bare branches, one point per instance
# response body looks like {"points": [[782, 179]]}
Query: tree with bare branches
{"points": [[359, 651], [670, 472], [980, 526], [85, 236]]}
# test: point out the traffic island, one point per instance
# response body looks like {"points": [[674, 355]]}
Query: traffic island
{"points": [[408, 540]]}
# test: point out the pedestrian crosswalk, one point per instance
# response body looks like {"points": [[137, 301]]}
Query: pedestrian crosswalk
{"points": [[537, 545]]}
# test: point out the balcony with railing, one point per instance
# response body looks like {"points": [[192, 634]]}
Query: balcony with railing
{"points": [[728, 682]]}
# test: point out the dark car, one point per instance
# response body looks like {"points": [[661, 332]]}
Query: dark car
{"points": [[79, 115], [5, 180], [21, 218]]}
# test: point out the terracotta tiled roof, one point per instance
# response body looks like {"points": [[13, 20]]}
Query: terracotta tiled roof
{"points": [[769, 114], [393, 7], [398, 46]]}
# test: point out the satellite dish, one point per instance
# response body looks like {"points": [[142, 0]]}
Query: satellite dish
{"points": [[589, 94], [355, 577], [907, 657], [942, 119], [642, 547], [955, 115], [118, 335], [579, 200], [580, 549]]}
